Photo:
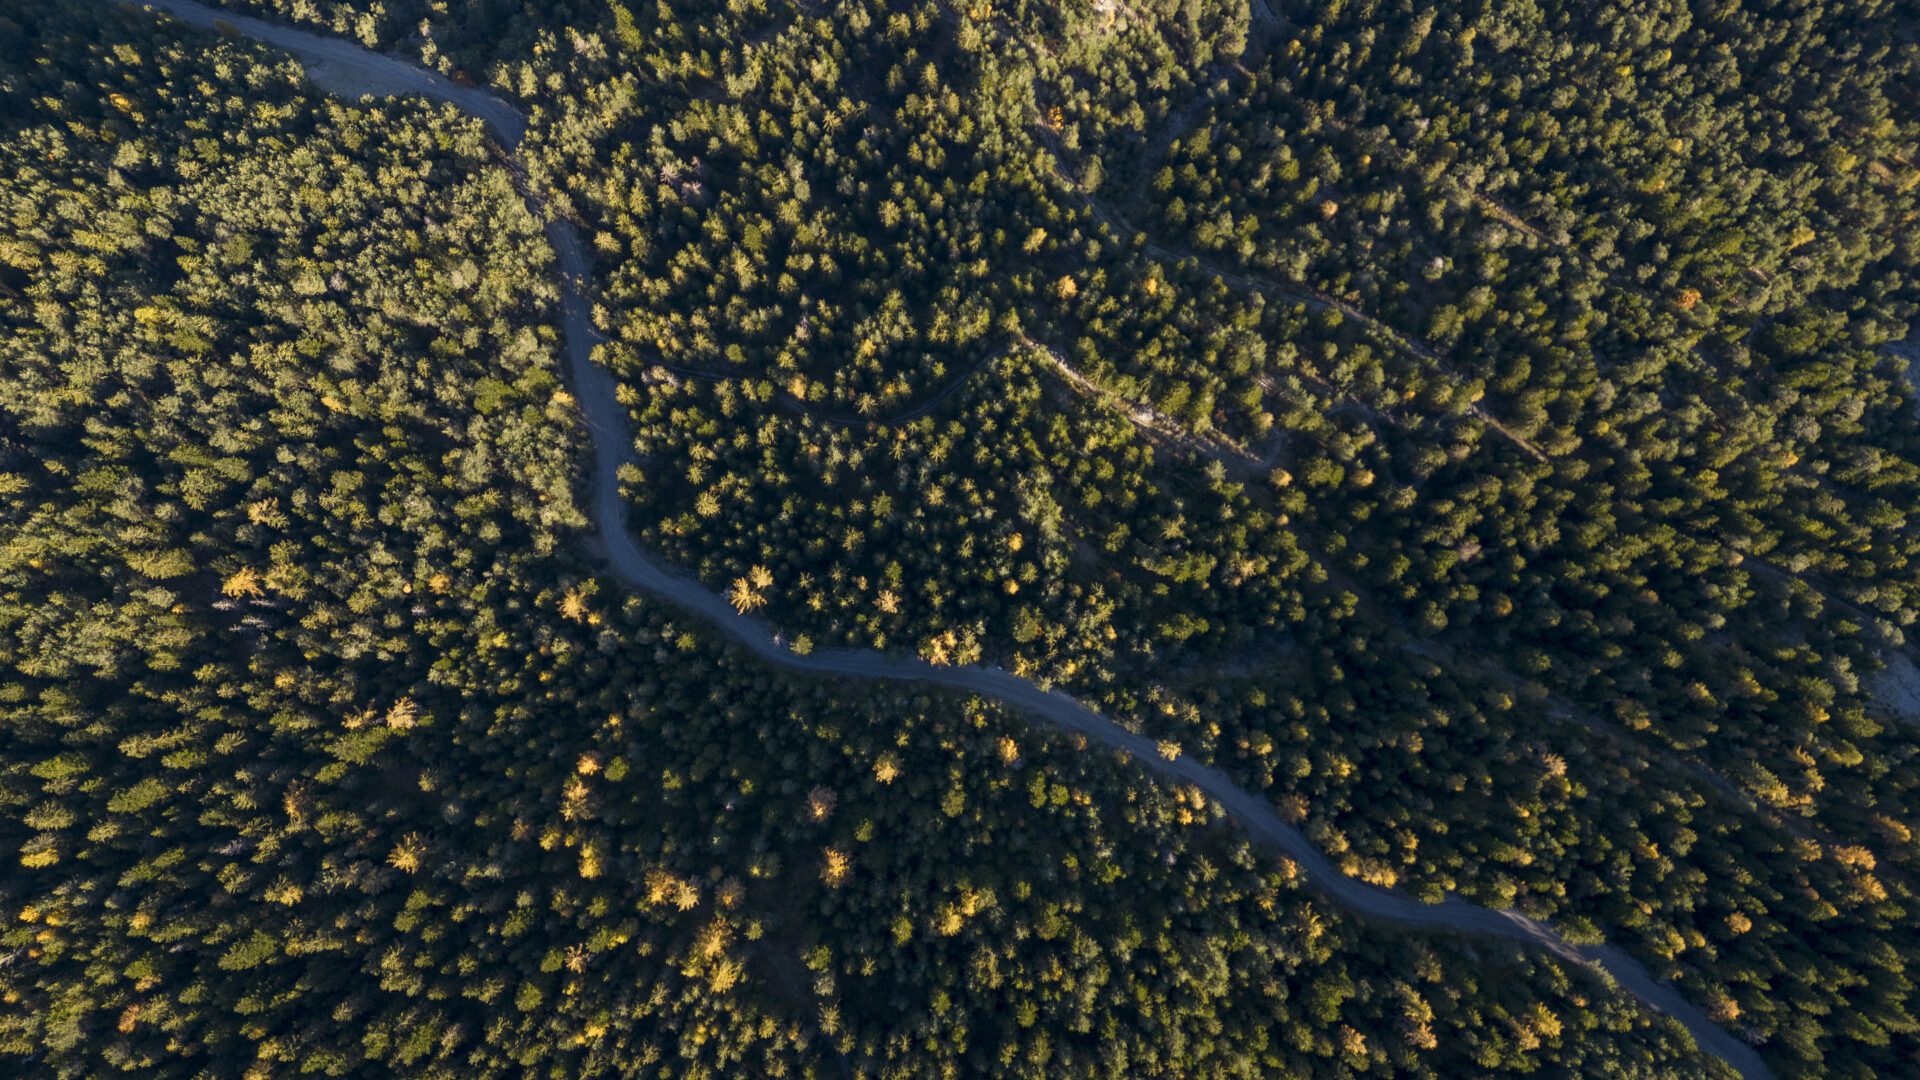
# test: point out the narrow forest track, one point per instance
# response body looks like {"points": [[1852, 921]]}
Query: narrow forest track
{"points": [[1248, 280], [1312, 299], [1264, 26], [350, 70], [1166, 429], [1153, 421]]}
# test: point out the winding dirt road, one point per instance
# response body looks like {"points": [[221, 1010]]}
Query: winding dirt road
{"points": [[342, 68]]}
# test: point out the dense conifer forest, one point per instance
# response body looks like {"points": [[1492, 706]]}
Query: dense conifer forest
{"points": [[1478, 429]]}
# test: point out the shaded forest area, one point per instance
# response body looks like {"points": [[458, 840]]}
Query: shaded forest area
{"points": [[324, 752], [1469, 426]]}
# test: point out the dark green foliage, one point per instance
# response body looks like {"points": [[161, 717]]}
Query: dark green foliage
{"points": [[1470, 427]]}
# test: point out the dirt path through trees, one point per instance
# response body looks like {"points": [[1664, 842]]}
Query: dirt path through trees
{"points": [[347, 69]]}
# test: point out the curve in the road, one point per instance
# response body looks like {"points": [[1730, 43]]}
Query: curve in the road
{"points": [[349, 69]]}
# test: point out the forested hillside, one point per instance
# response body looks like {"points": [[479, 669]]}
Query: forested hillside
{"points": [[1469, 426]]}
